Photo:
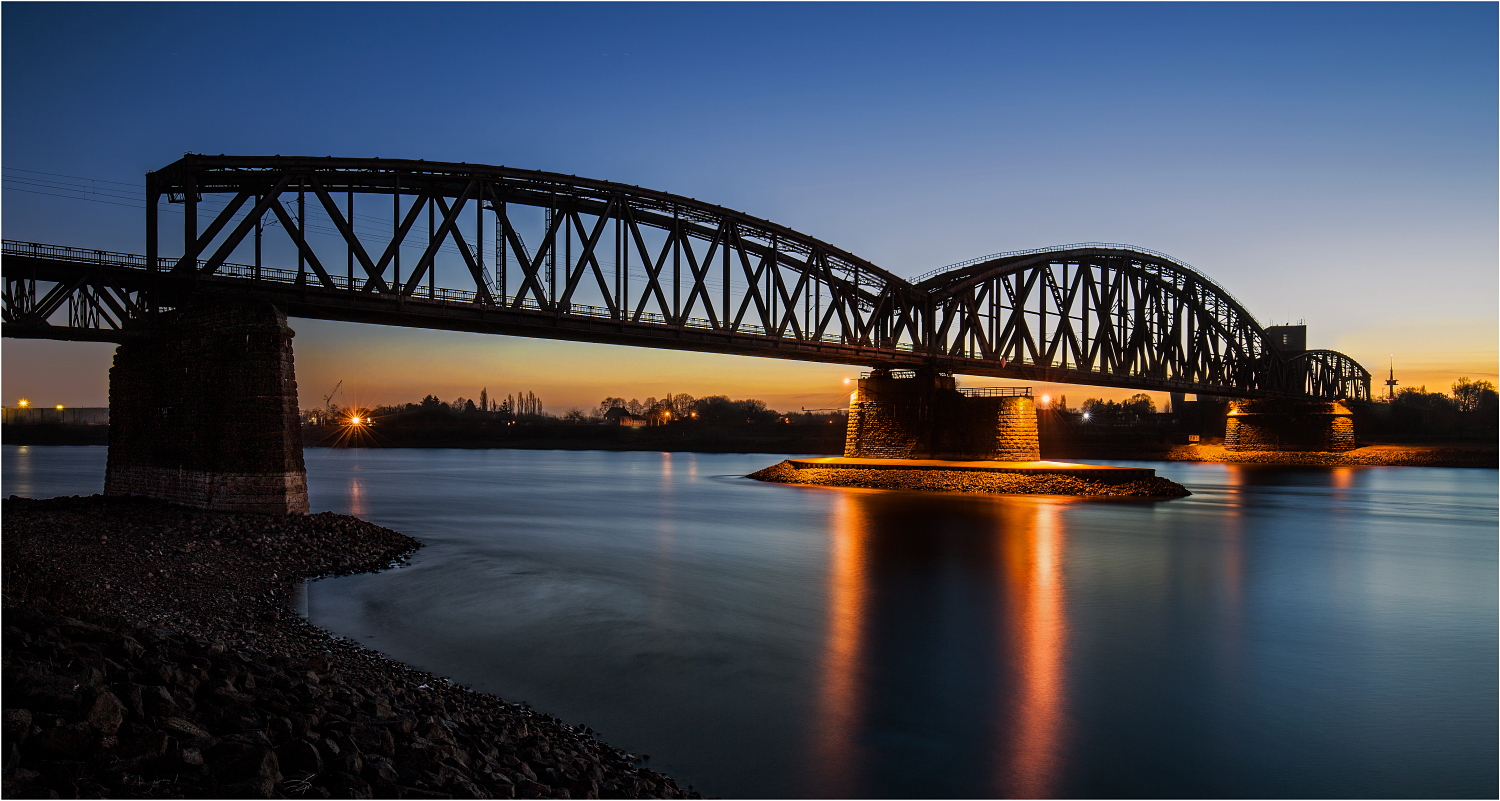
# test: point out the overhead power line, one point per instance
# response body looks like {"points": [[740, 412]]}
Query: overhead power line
{"points": [[75, 177]]}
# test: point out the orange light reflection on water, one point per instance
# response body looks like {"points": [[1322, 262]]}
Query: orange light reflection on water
{"points": [[666, 545], [840, 692], [1038, 627], [356, 497], [1027, 559]]}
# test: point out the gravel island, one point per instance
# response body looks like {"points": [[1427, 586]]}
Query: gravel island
{"points": [[937, 480], [150, 652], [1421, 455]]}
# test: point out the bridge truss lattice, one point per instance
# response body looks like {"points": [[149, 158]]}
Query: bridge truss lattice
{"points": [[540, 254]]}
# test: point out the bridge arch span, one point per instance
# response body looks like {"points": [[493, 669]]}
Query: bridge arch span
{"points": [[1122, 310], [1107, 309], [1330, 374], [734, 272], [540, 254]]}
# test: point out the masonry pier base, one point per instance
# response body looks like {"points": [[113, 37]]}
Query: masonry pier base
{"points": [[1280, 424], [925, 416], [203, 412]]}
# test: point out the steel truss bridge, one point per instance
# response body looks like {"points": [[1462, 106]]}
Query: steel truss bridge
{"points": [[539, 254]]}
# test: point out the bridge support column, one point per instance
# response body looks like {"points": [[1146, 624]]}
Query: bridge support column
{"points": [[1277, 424], [203, 413], [924, 416]]}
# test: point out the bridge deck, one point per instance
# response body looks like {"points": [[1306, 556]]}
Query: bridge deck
{"points": [[1094, 472]]}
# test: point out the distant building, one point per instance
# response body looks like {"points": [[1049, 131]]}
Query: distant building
{"points": [[620, 417], [41, 415]]}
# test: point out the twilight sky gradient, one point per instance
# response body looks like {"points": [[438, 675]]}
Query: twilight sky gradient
{"points": [[1328, 162]]}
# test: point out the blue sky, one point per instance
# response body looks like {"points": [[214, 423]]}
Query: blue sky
{"points": [[1328, 162]]}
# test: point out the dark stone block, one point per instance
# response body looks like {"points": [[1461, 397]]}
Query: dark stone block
{"points": [[17, 725], [300, 757], [204, 413], [374, 740], [107, 713], [236, 763], [71, 740]]}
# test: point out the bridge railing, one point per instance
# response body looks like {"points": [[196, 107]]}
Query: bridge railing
{"points": [[107, 258], [282, 275], [996, 392], [465, 297]]}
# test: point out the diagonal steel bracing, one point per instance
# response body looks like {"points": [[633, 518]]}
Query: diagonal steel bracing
{"points": [[618, 263]]}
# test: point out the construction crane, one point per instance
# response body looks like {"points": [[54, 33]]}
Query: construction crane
{"points": [[328, 399]]}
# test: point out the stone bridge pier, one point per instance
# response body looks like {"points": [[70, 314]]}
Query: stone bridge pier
{"points": [[925, 416], [1289, 424], [203, 412]]}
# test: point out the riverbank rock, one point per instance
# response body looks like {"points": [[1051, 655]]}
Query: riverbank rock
{"points": [[929, 480], [148, 651]]}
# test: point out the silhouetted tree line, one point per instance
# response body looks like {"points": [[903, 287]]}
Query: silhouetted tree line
{"points": [[1469, 397], [1473, 407], [1097, 411], [710, 410], [1134, 409], [713, 410], [522, 405]]}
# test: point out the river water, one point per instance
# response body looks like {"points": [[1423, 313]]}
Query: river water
{"points": [[1283, 632]]}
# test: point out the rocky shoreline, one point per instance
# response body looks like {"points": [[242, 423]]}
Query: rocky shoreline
{"points": [[930, 480], [150, 652]]}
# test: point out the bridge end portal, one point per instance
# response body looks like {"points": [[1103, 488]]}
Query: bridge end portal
{"points": [[901, 414], [203, 412]]}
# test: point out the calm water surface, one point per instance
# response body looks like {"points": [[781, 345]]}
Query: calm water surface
{"points": [[1283, 632]]}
